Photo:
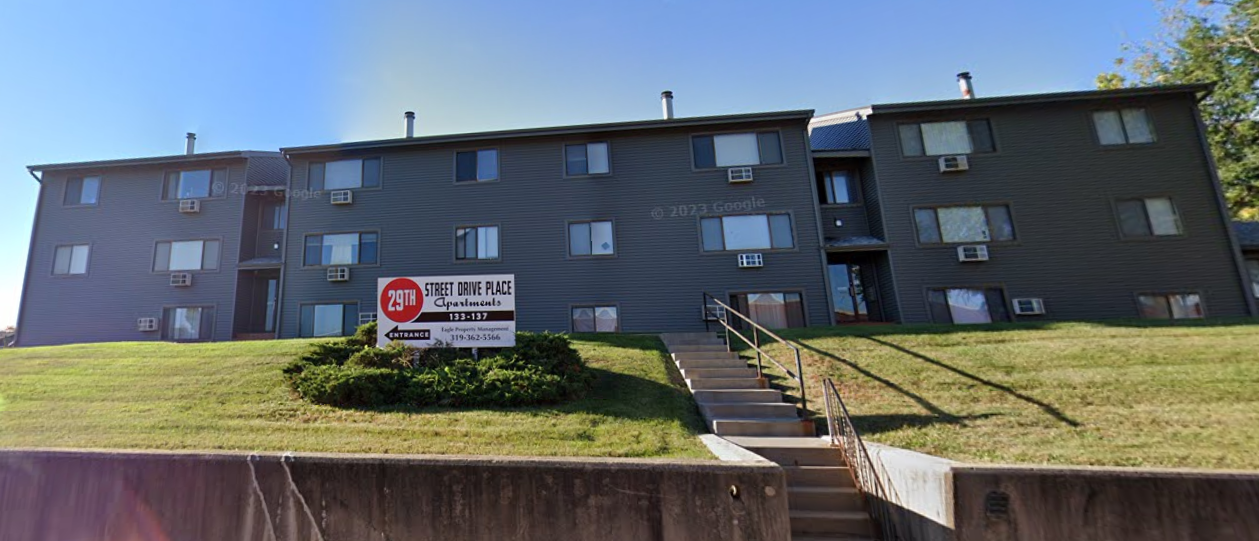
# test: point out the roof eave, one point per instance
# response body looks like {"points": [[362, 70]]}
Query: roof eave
{"points": [[914, 107], [803, 115], [155, 160]]}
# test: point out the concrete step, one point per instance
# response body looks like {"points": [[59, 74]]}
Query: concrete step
{"points": [[824, 499], [831, 522], [737, 395], [671, 337], [693, 348], [818, 476], [807, 537], [700, 355], [695, 373], [711, 363], [725, 383], [791, 426], [748, 410], [794, 451]]}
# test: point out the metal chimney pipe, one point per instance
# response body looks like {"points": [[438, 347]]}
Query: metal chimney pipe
{"points": [[410, 116], [191, 143], [964, 83], [666, 103]]}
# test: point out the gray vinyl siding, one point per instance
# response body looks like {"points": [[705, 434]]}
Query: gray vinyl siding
{"points": [[1061, 186], [120, 285], [856, 223], [657, 274]]}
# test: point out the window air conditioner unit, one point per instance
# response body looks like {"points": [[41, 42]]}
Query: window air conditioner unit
{"points": [[751, 261], [739, 175], [180, 279], [342, 197], [146, 324], [714, 312], [189, 206], [972, 252], [1029, 307], [950, 164], [338, 274]]}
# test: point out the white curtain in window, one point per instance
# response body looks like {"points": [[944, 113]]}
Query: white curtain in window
{"points": [[597, 158], [605, 319], [1109, 128], [328, 319], [487, 242], [601, 238], [968, 306], [186, 255], [91, 189], [1186, 306], [583, 320], [939, 138], [963, 224], [78, 259], [341, 249], [746, 232], [1163, 219], [187, 324], [1137, 126], [736, 149], [768, 309], [343, 175]]}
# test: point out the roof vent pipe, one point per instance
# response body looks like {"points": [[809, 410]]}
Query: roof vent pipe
{"points": [[666, 103], [191, 143], [964, 83], [410, 116]]}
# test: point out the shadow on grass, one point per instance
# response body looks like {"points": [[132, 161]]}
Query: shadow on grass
{"points": [[877, 424], [1044, 406]]}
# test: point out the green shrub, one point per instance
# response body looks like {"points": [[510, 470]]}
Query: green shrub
{"points": [[543, 368], [364, 335]]}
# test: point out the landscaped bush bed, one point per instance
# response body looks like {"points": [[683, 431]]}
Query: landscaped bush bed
{"points": [[542, 368]]}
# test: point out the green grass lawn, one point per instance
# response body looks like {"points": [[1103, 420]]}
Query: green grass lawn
{"points": [[1117, 393], [231, 396]]}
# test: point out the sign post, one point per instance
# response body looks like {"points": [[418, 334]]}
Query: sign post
{"points": [[453, 311]]}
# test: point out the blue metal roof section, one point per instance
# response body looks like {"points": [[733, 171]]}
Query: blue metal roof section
{"points": [[1247, 234], [845, 130]]}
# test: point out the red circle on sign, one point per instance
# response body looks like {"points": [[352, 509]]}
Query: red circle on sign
{"points": [[401, 300]]}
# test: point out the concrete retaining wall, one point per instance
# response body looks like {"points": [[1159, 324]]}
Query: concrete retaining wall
{"points": [[106, 496], [919, 488], [1086, 504]]}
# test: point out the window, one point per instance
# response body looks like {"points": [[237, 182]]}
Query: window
{"points": [[476, 165], [273, 215], [1170, 306], [1123, 127], [595, 319], [838, 187], [473, 243], [194, 184], [187, 323], [945, 138], [1252, 267], [71, 259], [590, 238], [186, 255], [964, 224], [341, 249], [335, 319], [1149, 217], [587, 159], [967, 305], [736, 149], [344, 174], [82, 191], [747, 232], [772, 310]]}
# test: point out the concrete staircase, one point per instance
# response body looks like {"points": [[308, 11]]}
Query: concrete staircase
{"points": [[739, 406]]}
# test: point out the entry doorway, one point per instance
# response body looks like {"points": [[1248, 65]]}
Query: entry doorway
{"points": [[854, 289]]}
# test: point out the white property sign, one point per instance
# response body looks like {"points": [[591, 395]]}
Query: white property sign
{"points": [[459, 311]]}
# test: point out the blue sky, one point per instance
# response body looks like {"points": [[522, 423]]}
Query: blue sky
{"points": [[101, 80]]}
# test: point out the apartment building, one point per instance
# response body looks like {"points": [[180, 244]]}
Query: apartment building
{"points": [[1079, 205]]}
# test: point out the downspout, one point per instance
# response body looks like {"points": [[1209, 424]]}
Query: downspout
{"points": [[1238, 261], [30, 257]]}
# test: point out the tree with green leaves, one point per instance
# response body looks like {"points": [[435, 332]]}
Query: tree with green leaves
{"points": [[1209, 41]]}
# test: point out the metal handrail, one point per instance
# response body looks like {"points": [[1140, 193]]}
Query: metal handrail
{"points": [[755, 343], [880, 501]]}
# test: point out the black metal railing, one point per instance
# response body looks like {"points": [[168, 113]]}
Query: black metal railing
{"points": [[715, 310], [878, 493]]}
